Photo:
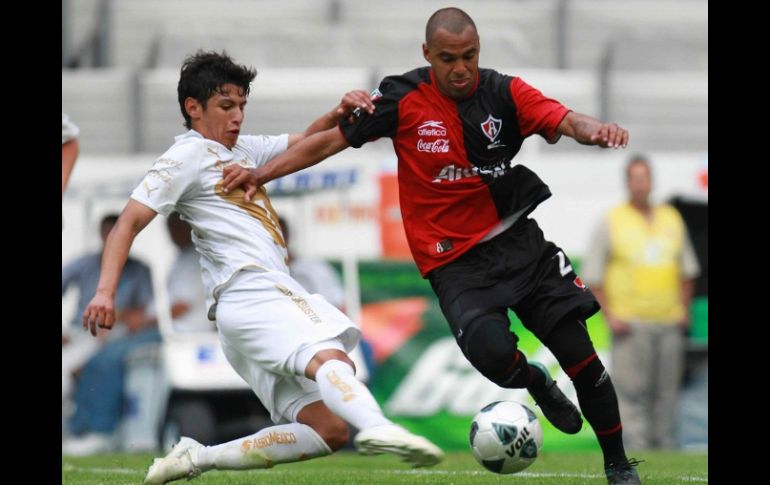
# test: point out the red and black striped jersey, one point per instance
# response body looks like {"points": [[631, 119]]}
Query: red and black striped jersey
{"points": [[456, 174]]}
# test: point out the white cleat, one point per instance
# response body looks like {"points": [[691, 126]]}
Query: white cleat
{"points": [[391, 438], [177, 464]]}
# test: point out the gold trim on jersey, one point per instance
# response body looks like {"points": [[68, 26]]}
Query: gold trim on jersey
{"points": [[259, 208]]}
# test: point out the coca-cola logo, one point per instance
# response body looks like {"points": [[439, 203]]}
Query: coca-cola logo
{"points": [[436, 146]]}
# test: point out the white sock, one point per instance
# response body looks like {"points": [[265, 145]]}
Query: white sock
{"points": [[347, 397], [284, 443]]}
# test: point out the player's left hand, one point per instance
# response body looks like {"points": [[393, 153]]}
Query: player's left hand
{"points": [[610, 135]]}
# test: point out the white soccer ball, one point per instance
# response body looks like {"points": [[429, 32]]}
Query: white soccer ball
{"points": [[506, 437]]}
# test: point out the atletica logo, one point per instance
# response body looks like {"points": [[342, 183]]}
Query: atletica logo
{"points": [[301, 303], [431, 128], [272, 438], [347, 391], [452, 173]]}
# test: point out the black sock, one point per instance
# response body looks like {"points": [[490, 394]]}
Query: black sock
{"points": [[599, 405]]}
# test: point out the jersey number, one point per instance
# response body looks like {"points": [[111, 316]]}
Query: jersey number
{"points": [[564, 267]]}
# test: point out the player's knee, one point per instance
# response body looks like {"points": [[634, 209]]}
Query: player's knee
{"points": [[492, 350], [334, 432], [324, 356]]}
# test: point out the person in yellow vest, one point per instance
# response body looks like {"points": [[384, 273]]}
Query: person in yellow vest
{"points": [[641, 266]]}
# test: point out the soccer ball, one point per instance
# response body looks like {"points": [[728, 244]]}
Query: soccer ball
{"points": [[506, 437]]}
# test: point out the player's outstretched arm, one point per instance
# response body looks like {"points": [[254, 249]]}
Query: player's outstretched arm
{"points": [[590, 131], [306, 153], [100, 312], [69, 153]]}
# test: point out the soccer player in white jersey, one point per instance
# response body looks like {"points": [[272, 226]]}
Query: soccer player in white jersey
{"points": [[290, 346]]}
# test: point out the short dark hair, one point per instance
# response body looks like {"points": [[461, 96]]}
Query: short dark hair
{"points": [[451, 19], [109, 219], [204, 73], [637, 159], [107, 223]]}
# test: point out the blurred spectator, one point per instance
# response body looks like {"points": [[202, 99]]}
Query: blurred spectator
{"points": [[315, 275], [185, 286], [641, 266], [134, 293], [69, 149], [99, 394]]}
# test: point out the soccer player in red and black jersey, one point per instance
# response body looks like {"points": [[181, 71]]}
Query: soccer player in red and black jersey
{"points": [[456, 129]]}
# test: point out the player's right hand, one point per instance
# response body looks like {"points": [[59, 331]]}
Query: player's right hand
{"points": [[100, 312], [353, 100], [235, 176]]}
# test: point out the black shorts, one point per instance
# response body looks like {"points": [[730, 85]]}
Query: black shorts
{"points": [[517, 269]]}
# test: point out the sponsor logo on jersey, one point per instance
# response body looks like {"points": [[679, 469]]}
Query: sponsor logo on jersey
{"points": [[579, 283], [433, 146], [431, 128], [164, 169], [301, 303], [452, 173]]}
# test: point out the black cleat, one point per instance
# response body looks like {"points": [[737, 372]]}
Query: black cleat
{"points": [[555, 406], [623, 473]]}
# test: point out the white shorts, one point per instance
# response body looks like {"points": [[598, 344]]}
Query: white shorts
{"points": [[270, 329]]}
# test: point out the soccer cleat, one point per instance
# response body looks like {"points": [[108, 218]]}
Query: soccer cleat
{"points": [[177, 464], [391, 438], [623, 473], [555, 406]]}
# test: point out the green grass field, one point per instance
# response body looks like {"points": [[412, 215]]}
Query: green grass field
{"points": [[659, 468]]}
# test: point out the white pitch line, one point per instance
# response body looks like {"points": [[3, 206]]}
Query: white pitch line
{"points": [[522, 474], [126, 471], [481, 472]]}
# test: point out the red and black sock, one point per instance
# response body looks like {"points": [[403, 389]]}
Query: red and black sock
{"points": [[571, 345], [599, 405]]}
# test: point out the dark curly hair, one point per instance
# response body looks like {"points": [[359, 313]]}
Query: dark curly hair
{"points": [[204, 73]]}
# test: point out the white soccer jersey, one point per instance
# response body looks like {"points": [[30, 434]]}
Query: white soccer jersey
{"points": [[229, 234], [69, 130]]}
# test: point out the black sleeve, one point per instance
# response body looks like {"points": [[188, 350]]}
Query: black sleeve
{"points": [[384, 120]]}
